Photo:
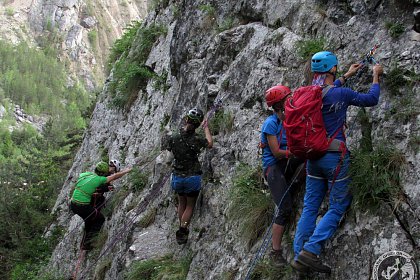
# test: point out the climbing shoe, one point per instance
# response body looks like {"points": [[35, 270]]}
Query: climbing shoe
{"points": [[300, 268], [313, 262], [276, 258], [182, 235]]}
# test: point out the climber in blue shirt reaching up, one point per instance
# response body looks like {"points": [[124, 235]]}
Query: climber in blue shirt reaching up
{"points": [[330, 172]]}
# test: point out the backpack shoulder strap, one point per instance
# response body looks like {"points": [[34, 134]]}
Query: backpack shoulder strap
{"points": [[326, 89]]}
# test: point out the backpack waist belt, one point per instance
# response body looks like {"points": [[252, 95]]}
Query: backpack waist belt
{"points": [[336, 146]]}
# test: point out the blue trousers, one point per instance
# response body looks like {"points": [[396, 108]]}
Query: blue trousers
{"points": [[320, 174]]}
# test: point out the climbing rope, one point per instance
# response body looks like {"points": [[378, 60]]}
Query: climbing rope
{"points": [[267, 236]]}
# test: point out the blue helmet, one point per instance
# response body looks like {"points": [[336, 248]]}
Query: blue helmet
{"points": [[323, 61]]}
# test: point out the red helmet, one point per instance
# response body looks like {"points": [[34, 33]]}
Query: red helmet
{"points": [[276, 94]]}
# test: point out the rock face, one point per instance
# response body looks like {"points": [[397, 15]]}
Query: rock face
{"points": [[87, 30], [234, 53], [82, 31]]}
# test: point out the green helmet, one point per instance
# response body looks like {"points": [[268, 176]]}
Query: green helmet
{"points": [[102, 167]]}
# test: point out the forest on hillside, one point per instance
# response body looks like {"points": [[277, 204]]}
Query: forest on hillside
{"points": [[34, 163]]}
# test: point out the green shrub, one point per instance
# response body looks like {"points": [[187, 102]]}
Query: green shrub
{"points": [[221, 122], [395, 80], [250, 204], [124, 43], [128, 79], [9, 11], [208, 9], [162, 268], [164, 122], [93, 37], [226, 24], [160, 82], [307, 48], [376, 176], [100, 239], [117, 198], [268, 271], [225, 84], [137, 179], [394, 29], [130, 73], [176, 11]]}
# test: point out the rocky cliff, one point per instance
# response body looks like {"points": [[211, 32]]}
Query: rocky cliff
{"points": [[233, 51], [81, 31]]}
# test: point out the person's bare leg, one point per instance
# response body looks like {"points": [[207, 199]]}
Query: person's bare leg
{"points": [[278, 231], [188, 212], [182, 204]]}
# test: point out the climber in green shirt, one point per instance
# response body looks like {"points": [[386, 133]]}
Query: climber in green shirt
{"points": [[87, 184]]}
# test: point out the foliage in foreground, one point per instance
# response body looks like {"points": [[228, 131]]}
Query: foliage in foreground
{"points": [[376, 176], [162, 268], [250, 204]]}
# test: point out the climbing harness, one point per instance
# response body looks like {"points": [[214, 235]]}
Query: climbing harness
{"points": [[267, 236]]}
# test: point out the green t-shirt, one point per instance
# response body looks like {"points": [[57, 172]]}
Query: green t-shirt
{"points": [[85, 186]]}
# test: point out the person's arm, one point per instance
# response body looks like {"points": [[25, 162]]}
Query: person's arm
{"points": [[117, 175], [377, 71], [275, 149], [207, 133], [351, 72], [371, 98]]}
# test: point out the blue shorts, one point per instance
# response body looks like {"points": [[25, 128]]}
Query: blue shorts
{"points": [[189, 186]]}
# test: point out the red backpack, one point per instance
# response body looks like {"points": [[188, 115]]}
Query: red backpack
{"points": [[305, 130]]}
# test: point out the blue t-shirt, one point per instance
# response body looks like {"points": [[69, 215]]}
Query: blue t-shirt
{"points": [[272, 126], [336, 102]]}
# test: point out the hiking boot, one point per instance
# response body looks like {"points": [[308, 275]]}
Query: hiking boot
{"points": [[182, 235], [276, 258], [300, 268], [313, 262]]}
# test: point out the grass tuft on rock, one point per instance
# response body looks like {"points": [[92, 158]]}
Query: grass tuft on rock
{"points": [[251, 205], [376, 176], [166, 267]]}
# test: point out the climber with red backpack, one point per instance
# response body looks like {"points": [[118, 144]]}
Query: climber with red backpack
{"points": [[315, 120], [279, 166], [87, 198]]}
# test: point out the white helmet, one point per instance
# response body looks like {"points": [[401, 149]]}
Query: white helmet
{"points": [[115, 163]]}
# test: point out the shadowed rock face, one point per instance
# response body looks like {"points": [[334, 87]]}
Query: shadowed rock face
{"points": [[206, 58], [416, 26]]}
